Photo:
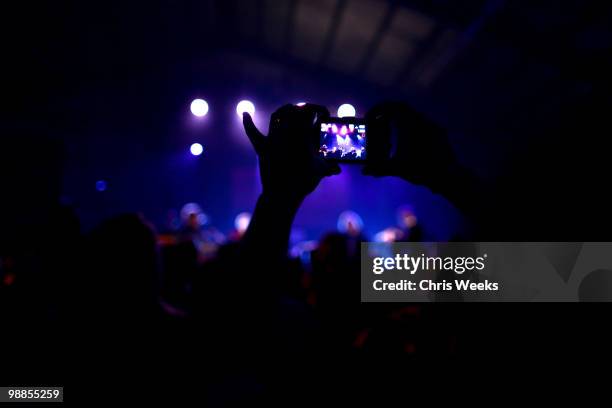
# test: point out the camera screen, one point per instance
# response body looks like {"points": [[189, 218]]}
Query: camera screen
{"points": [[343, 141]]}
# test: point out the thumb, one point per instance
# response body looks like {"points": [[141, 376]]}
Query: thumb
{"points": [[255, 136]]}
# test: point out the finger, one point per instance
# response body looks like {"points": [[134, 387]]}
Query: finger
{"points": [[390, 110], [282, 113], [255, 136], [379, 134], [281, 119], [309, 115], [285, 109], [313, 116], [301, 115], [318, 112]]}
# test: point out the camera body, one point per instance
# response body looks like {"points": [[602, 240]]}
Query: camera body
{"points": [[343, 140]]}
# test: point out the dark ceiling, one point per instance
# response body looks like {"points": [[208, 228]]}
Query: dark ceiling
{"points": [[485, 69], [113, 79], [400, 44]]}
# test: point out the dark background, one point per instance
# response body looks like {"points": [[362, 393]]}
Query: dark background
{"points": [[101, 90], [109, 85]]}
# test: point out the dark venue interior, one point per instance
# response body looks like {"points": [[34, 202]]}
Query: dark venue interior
{"points": [[126, 237]]}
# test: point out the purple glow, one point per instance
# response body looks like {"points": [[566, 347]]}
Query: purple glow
{"points": [[101, 185], [334, 128], [343, 130], [199, 107], [196, 149], [245, 106]]}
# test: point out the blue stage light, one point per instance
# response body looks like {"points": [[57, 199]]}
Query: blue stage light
{"points": [[101, 185]]}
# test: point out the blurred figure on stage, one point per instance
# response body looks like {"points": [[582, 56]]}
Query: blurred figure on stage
{"points": [[409, 225], [350, 223], [195, 228]]}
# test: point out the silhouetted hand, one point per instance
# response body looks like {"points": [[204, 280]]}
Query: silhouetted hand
{"points": [[421, 155], [289, 164]]}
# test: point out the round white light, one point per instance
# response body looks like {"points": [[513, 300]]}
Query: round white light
{"points": [[196, 149], [300, 104], [346, 110], [245, 106], [199, 107]]}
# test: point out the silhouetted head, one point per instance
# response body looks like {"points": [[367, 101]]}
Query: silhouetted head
{"points": [[335, 266], [124, 270]]}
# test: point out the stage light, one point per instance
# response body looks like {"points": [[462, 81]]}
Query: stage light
{"points": [[346, 110], [101, 185], [245, 106], [241, 223], [300, 104], [390, 234], [196, 149], [199, 107]]}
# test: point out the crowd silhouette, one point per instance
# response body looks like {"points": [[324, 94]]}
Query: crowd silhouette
{"points": [[253, 322]]}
